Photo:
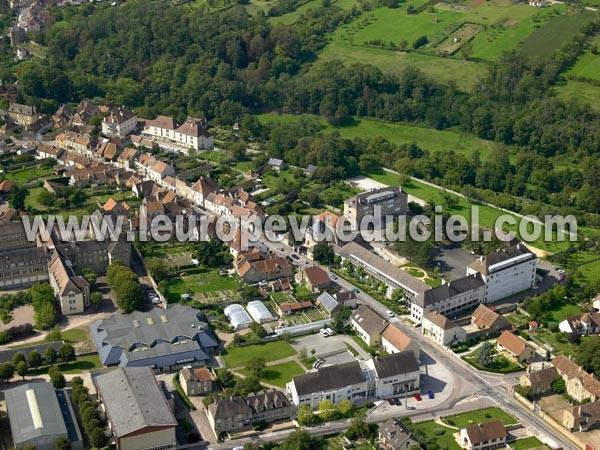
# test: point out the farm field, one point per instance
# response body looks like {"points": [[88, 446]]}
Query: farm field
{"points": [[427, 138], [464, 73], [481, 31], [580, 91], [551, 36]]}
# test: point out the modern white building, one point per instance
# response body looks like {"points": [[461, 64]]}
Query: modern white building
{"points": [[449, 298], [378, 268], [506, 272], [335, 383], [380, 377], [396, 374]]}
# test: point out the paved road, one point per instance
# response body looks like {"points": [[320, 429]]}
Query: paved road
{"points": [[466, 380]]}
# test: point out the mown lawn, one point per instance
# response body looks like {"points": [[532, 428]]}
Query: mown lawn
{"points": [[28, 174], [271, 351], [444, 440], [279, 374], [479, 416], [528, 443], [82, 363], [209, 281]]}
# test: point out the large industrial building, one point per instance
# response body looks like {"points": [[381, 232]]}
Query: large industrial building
{"points": [[165, 340], [40, 415], [137, 411]]}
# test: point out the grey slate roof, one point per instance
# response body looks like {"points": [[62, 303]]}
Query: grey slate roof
{"points": [[395, 364], [369, 320], [22, 409], [7, 355], [396, 434], [448, 290], [144, 335], [229, 407], [133, 400], [328, 378], [360, 255]]}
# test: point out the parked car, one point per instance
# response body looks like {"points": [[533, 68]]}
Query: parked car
{"points": [[156, 301], [390, 401], [397, 402], [295, 256], [324, 332], [417, 396], [329, 331], [390, 313], [430, 394], [356, 291]]}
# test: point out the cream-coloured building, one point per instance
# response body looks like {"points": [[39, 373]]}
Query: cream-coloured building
{"points": [[394, 340], [190, 134], [515, 347], [119, 123], [72, 291], [483, 436], [442, 330]]}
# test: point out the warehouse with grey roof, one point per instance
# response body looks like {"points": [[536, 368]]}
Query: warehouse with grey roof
{"points": [[40, 415], [136, 408]]}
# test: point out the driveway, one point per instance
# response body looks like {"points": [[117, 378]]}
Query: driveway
{"points": [[326, 345]]}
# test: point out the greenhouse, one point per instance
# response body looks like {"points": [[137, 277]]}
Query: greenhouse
{"points": [[259, 312], [238, 317]]}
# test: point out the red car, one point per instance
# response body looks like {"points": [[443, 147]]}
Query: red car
{"points": [[417, 396], [390, 401]]}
